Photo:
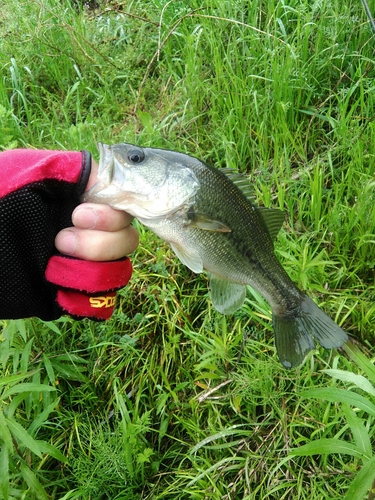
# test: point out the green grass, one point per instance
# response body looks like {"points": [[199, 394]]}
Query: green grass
{"points": [[168, 399]]}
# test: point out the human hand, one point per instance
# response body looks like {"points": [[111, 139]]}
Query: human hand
{"points": [[99, 233]]}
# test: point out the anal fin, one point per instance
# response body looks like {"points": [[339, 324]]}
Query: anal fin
{"points": [[226, 296]]}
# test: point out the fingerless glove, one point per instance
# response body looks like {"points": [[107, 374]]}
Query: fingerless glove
{"points": [[38, 193]]}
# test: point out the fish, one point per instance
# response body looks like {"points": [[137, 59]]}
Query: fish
{"points": [[208, 217]]}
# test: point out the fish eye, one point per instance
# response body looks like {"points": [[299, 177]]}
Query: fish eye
{"points": [[136, 155]]}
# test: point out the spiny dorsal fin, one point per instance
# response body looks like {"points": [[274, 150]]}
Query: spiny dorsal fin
{"points": [[272, 217], [240, 181]]}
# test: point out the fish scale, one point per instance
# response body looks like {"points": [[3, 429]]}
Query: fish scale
{"points": [[208, 217]]}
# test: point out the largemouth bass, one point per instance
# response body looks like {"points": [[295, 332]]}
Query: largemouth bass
{"points": [[207, 216]]}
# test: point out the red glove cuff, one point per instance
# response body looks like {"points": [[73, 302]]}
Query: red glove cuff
{"points": [[81, 305], [87, 288]]}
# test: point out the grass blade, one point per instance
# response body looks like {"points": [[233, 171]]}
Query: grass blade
{"points": [[52, 451], [13, 379], [361, 360], [360, 433], [224, 433], [5, 432], [335, 395], [33, 483], [27, 387], [347, 376], [327, 446], [42, 417], [23, 437], [4, 468], [362, 482]]}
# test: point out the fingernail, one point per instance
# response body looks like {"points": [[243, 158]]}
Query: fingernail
{"points": [[66, 242], [85, 217]]}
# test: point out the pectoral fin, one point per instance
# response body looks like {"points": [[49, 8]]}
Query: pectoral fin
{"points": [[205, 222], [189, 257], [226, 296]]}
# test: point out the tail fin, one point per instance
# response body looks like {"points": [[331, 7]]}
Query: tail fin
{"points": [[294, 334]]}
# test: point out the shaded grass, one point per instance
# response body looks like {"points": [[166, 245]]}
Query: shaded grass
{"points": [[169, 399]]}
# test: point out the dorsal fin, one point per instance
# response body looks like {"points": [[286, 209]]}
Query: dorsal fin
{"points": [[273, 219], [240, 181]]}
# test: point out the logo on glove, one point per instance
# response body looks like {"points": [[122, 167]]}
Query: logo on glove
{"points": [[104, 301]]}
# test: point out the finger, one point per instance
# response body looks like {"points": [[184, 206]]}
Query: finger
{"points": [[100, 217], [97, 245]]}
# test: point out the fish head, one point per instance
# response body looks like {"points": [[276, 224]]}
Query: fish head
{"points": [[145, 182]]}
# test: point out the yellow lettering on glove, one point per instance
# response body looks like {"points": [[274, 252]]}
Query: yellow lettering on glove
{"points": [[99, 302]]}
